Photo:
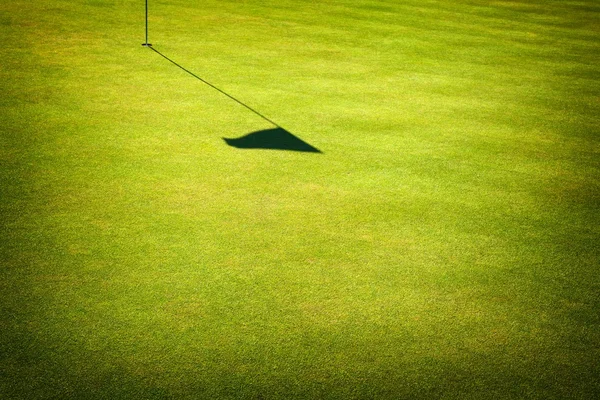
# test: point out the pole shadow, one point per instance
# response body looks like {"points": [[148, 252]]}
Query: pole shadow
{"points": [[275, 139]]}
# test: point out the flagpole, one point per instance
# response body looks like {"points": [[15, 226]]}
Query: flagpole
{"points": [[147, 44]]}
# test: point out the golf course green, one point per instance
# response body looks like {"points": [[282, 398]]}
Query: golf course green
{"points": [[436, 235]]}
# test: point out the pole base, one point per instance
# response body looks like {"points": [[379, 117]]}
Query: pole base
{"points": [[147, 44]]}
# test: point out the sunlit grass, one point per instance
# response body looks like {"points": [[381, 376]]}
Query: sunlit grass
{"points": [[444, 245]]}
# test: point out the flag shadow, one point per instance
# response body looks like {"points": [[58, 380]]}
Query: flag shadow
{"points": [[272, 139]]}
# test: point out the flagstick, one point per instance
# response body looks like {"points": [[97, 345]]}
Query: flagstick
{"points": [[147, 44]]}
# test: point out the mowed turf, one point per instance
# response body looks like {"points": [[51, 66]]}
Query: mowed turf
{"points": [[444, 244]]}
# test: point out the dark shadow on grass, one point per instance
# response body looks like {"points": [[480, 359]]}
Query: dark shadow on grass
{"points": [[276, 139]]}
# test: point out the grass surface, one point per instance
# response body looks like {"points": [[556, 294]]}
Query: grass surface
{"points": [[444, 245]]}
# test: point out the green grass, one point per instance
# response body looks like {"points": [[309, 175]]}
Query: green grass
{"points": [[444, 245]]}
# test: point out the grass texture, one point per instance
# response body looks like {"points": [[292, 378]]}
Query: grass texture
{"points": [[444, 245]]}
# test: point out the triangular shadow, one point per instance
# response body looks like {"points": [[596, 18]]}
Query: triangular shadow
{"points": [[273, 139]]}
